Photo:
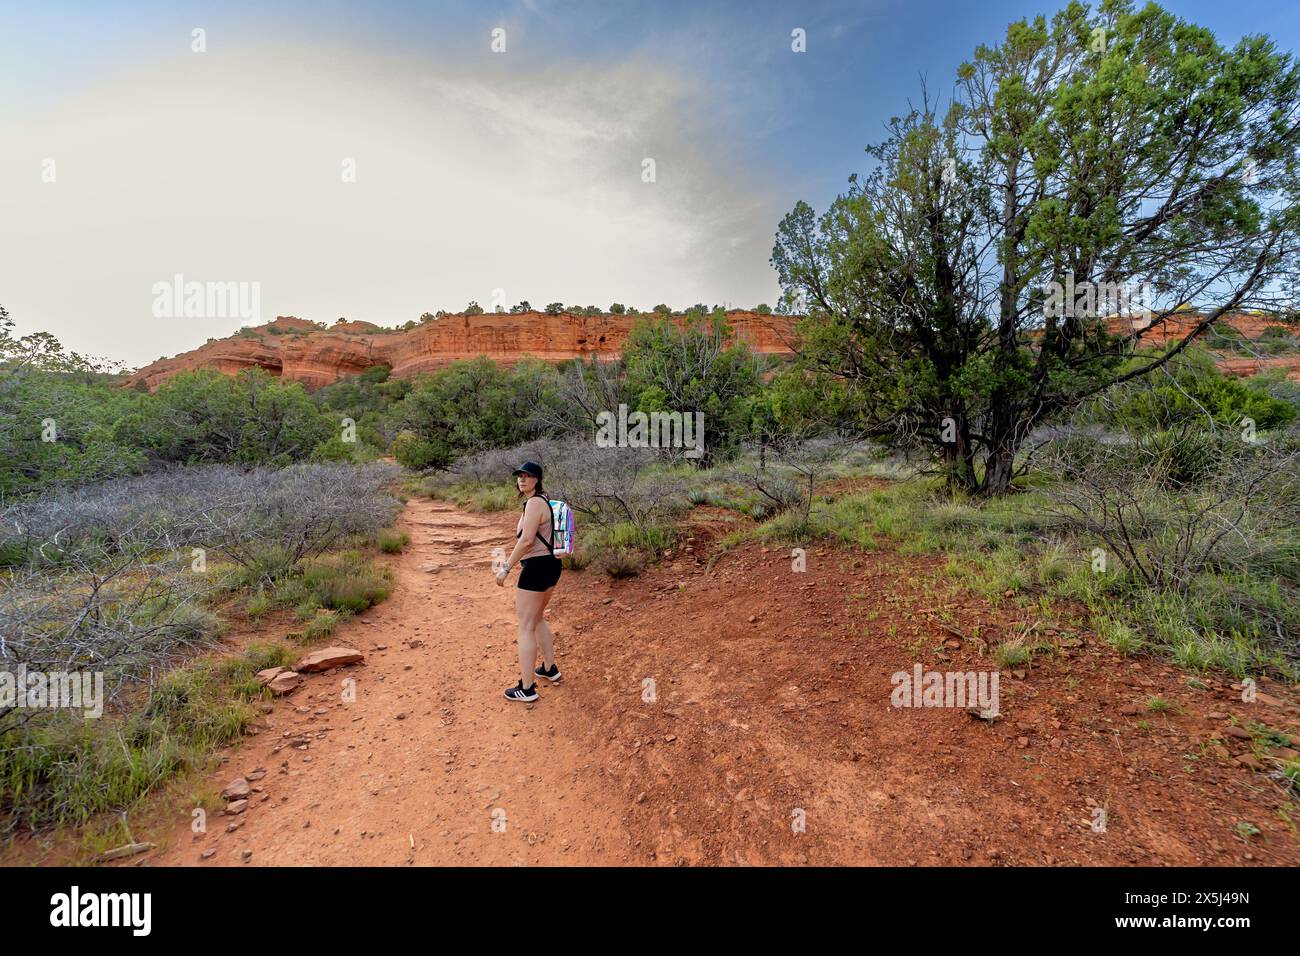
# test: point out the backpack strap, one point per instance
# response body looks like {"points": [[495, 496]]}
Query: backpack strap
{"points": [[550, 545]]}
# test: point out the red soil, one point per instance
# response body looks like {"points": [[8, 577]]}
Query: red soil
{"points": [[772, 696]]}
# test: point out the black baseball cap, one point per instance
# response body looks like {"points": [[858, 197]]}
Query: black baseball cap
{"points": [[529, 468]]}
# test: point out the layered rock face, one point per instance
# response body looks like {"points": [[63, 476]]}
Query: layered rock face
{"points": [[301, 351], [1251, 326], [1242, 367], [1176, 327]]}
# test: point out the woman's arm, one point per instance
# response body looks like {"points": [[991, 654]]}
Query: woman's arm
{"points": [[532, 524]]}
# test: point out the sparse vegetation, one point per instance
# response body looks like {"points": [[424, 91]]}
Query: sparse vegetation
{"points": [[346, 582], [60, 768], [393, 542], [136, 574]]}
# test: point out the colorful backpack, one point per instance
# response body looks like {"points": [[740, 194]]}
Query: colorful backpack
{"points": [[561, 527]]}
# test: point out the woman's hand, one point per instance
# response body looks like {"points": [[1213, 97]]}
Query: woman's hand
{"points": [[501, 577]]}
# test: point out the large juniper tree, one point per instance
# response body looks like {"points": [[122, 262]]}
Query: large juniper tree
{"points": [[1113, 148]]}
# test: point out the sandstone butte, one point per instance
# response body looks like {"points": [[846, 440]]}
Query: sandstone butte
{"points": [[302, 351]]}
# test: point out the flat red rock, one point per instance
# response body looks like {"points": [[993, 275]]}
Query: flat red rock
{"points": [[327, 658], [284, 682]]}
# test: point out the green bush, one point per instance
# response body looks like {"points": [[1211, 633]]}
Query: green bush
{"points": [[321, 625], [577, 559], [346, 582], [80, 413], [259, 604], [337, 450], [393, 542], [1192, 395], [471, 406], [688, 368], [419, 453], [251, 418]]}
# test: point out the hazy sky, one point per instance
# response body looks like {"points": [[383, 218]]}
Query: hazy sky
{"points": [[521, 171]]}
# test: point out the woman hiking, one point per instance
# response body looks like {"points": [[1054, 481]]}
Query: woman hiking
{"points": [[534, 550]]}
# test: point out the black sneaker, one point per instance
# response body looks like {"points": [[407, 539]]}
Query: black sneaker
{"points": [[553, 675], [520, 694]]}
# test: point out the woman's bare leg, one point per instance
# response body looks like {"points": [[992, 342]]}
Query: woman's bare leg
{"points": [[528, 608], [545, 639]]}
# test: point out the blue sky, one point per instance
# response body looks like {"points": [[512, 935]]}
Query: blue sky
{"points": [[804, 117], [741, 128]]}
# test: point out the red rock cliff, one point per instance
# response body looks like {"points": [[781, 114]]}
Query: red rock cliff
{"points": [[1250, 325], [303, 352]]}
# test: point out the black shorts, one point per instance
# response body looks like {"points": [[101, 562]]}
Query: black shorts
{"points": [[540, 573]]}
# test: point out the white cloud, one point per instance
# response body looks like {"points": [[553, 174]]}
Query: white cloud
{"points": [[470, 176]]}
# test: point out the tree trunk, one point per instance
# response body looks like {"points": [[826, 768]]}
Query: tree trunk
{"points": [[998, 470], [959, 460]]}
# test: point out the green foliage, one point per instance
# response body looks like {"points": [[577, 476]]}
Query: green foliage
{"points": [[1190, 392], [620, 563], [259, 604], [687, 367], [1012, 654], [61, 768], [1278, 339], [346, 582], [376, 374], [337, 450], [470, 406], [419, 453], [368, 399], [251, 418], [799, 403], [321, 625], [475, 495], [57, 411], [393, 542], [58, 428], [623, 549], [933, 285], [652, 539]]}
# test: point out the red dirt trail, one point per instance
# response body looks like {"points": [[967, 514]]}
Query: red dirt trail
{"points": [[770, 707]]}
